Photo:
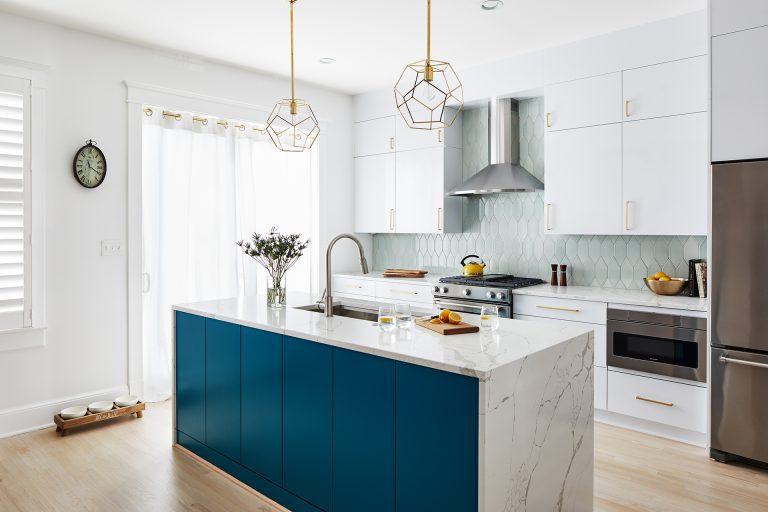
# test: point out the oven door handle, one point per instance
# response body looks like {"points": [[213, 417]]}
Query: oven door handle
{"points": [[459, 305]]}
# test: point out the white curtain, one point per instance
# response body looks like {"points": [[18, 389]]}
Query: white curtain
{"points": [[205, 186]]}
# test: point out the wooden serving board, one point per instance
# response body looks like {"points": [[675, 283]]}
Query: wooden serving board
{"points": [[63, 425], [448, 329], [396, 272]]}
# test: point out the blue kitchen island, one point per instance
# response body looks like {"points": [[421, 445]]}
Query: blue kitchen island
{"points": [[330, 414]]}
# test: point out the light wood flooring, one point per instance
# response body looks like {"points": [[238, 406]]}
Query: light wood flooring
{"points": [[130, 465]]}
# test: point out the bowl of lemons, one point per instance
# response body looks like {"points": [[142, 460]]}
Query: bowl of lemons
{"points": [[661, 284]]}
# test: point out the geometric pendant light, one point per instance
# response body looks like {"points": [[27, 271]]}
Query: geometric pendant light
{"points": [[292, 125], [429, 94]]}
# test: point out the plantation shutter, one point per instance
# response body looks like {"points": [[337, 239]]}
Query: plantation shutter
{"points": [[14, 166]]}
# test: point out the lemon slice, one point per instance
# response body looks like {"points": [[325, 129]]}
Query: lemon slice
{"points": [[386, 320], [485, 317]]}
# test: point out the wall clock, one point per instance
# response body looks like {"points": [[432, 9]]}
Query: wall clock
{"points": [[89, 166]]}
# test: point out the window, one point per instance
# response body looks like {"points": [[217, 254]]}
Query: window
{"points": [[15, 253]]}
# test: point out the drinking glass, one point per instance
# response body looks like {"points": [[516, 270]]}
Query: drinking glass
{"points": [[403, 315], [387, 318], [489, 318]]}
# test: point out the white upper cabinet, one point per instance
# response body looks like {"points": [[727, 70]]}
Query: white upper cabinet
{"points": [[423, 178], [672, 88], [375, 137], [740, 95], [665, 176], [375, 194], [587, 102], [583, 181], [734, 15], [407, 139]]}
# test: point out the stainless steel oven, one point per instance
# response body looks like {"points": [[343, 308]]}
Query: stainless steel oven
{"points": [[669, 345], [471, 307]]}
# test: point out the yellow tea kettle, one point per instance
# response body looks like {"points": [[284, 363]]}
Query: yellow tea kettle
{"points": [[472, 268]]}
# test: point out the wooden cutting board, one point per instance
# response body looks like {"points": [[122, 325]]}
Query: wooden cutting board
{"points": [[448, 329], [396, 272]]}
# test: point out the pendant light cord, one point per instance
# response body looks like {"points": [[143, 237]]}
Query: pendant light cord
{"points": [[293, 93], [429, 29]]}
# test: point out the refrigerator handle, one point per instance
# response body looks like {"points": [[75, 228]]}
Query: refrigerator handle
{"points": [[724, 359]]}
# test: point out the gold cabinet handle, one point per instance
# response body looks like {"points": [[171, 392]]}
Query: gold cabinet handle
{"points": [[440, 135], [552, 308], [548, 216], [439, 219], [626, 216], [626, 108], [392, 219], [548, 123], [650, 401], [391, 143]]}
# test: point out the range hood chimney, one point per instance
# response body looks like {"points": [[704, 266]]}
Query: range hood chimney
{"points": [[505, 173]]}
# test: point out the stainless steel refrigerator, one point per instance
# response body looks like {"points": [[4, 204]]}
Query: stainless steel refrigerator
{"points": [[739, 303]]}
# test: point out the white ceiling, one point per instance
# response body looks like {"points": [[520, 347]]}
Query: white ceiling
{"points": [[371, 41]]}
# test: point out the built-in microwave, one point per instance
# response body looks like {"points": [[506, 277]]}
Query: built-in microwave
{"points": [[669, 345]]}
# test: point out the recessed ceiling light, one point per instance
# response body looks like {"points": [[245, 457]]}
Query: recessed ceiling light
{"points": [[490, 5], [327, 60]]}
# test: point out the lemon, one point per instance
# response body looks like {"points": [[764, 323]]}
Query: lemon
{"points": [[454, 318], [386, 320], [659, 275], [485, 317], [665, 278], [651, 278], [445, 315], [436, 321]]}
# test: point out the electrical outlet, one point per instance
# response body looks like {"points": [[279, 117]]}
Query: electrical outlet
{"points": [[111, 248]]}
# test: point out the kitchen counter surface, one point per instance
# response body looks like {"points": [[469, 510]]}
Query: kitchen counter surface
{"points": [[477, 355], [616, 296]]}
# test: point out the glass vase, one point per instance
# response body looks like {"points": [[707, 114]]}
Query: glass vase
{"points": [[276, 291]]}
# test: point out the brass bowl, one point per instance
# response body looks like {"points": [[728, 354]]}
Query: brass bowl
{"points": [[672, 287]]}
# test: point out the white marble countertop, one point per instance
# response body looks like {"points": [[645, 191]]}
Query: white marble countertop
{"points": [[590, 293], [470, 354]]}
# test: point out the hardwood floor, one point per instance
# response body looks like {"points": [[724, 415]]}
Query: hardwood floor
{"points": [[130, 465]]}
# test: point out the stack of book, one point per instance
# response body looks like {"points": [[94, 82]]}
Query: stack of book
{"points": [[697, 278]]}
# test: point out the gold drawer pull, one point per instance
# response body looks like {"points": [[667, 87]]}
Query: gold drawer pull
{"points": [[665, 404], [559, 309], [626, 108], [548, 123]]}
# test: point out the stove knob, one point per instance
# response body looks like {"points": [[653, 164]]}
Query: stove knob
{"points": [[436, 289], [445, 289], [491, 295], [466, 291], [501, 296]]}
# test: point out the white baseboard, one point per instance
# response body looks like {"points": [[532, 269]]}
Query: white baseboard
{"points": [[651, 427], [18, 420]]}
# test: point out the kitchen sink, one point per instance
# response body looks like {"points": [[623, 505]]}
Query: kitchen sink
{"points": [[345, 311]]}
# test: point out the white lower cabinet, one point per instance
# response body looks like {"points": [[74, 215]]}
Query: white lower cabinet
{"points": [[671, 403], [404, 292], [362, 288]]}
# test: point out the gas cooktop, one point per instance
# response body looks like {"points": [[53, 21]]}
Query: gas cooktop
{"points": [[495, 280]]}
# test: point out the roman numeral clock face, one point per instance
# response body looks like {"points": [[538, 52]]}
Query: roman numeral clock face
{"points": [[90, 166]]}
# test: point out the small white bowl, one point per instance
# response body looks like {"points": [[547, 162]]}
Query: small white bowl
{"points": [[100, 406], [126, 400], [73, 412]]}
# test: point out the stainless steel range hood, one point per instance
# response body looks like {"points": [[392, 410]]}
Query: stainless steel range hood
{"points": [[505, 173]]}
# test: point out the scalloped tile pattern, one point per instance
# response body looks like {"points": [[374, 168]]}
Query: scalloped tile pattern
{"points": [[507, 230]]}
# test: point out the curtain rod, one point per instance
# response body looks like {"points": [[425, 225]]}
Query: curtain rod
{"points": [[240, 125]]}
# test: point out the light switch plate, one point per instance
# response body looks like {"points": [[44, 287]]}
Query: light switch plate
{"points": [[112, 248]]}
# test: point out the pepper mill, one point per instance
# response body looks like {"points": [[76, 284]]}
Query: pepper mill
{"points": [[553, 280], [563, 279]]}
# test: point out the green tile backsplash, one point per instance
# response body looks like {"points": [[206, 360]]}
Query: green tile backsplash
{"points": [[507, 230]]}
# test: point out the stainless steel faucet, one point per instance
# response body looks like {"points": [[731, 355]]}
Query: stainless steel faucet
{"points": [[328, 273]]}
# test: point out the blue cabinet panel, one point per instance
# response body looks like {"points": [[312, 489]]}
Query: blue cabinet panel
{"points": [[436, 432], [307, 420], [222, 387], [262, 403], [363, 432], [190, 375]]}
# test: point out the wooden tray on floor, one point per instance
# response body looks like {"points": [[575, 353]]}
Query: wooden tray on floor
{"points": [[448, 329], [63, 425]]}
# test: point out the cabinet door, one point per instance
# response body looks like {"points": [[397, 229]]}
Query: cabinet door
{"points": [[307, 420], [436, 416], [734, 15], [408, 139], [420, 191], [262, 403], [665, 176], [190, 375], [363, 432], [739, 100], [375, 137], [583, 181], [222, 387], [679, 87], [375, 180], [587, 102]]}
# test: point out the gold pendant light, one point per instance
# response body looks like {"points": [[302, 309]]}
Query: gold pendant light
{"points": [[429, 94], [292, 125]]}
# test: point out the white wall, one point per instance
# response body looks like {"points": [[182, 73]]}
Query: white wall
{"points": [[86, 351]]}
